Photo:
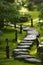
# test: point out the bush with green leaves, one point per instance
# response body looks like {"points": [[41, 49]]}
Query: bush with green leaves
{"points": [[1, 34], [9, 11], [40, 6], [41, 14], [1, 24], [30, 6], [24, 18]]}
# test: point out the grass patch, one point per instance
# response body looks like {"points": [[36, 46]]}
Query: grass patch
{"points": [[10, 35], [33, 14], [33, 50]]}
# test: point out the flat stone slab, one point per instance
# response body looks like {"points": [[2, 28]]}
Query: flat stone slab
{"points": [[23, 47], [25, 41], [30, 37], [24, 44], [20, 49], [32, 60], [40, 45], [21, 53], [24, 56], [34, 32], [28, 29]]}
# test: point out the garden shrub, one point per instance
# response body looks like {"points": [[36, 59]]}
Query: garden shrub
{"points": [[24, 18]]}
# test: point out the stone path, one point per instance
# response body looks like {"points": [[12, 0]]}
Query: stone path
{"points": [[21, 51]]}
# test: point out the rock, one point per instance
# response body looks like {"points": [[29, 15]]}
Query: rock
{"points": [[32, 60]]}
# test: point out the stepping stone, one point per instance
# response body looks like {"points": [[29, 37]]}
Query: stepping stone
{"points": [[25, 41], [24, 44], [34, 32], [30, 37], [28, 29], [21, 53], [32, 60], [24, 56], [41, 45], [24, 47], [20, 50]]}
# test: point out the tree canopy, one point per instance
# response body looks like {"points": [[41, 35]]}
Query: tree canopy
{"points": [[40, 8], [36, 1], [8, 11]]}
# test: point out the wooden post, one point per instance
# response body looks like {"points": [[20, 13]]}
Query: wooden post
{"points": [[31, 22], [37, 42], [15, 25], [20, 28]]}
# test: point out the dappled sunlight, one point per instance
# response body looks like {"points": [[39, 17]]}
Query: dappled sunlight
{"points": [[33, 50], [23, 10], [41, 38], [19, 41]]}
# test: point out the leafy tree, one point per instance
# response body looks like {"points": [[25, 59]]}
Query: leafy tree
{"points": [[11, 1], [25, 17], [30, 6], [41, 11], [8, 11], [41, 14], [36, 1], [39, 7], [24, 2]]}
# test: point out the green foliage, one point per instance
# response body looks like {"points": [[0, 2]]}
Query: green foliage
{"points": [[1, 24], [40, 7], [24, 18], [36, 1], [8, 11], [30, 6], [11, 1], [24, 2], [41, 14]]}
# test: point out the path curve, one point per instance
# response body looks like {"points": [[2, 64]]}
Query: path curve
{"points": [[21, 51]]}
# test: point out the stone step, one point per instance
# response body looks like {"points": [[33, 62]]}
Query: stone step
{"points": [[20, 50], [24, 47], [24, 56], [30, 37], [20, 53], [33, 32], [28, 29], [25, 44], [25, 41], [23, 53], [32, 60]]}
